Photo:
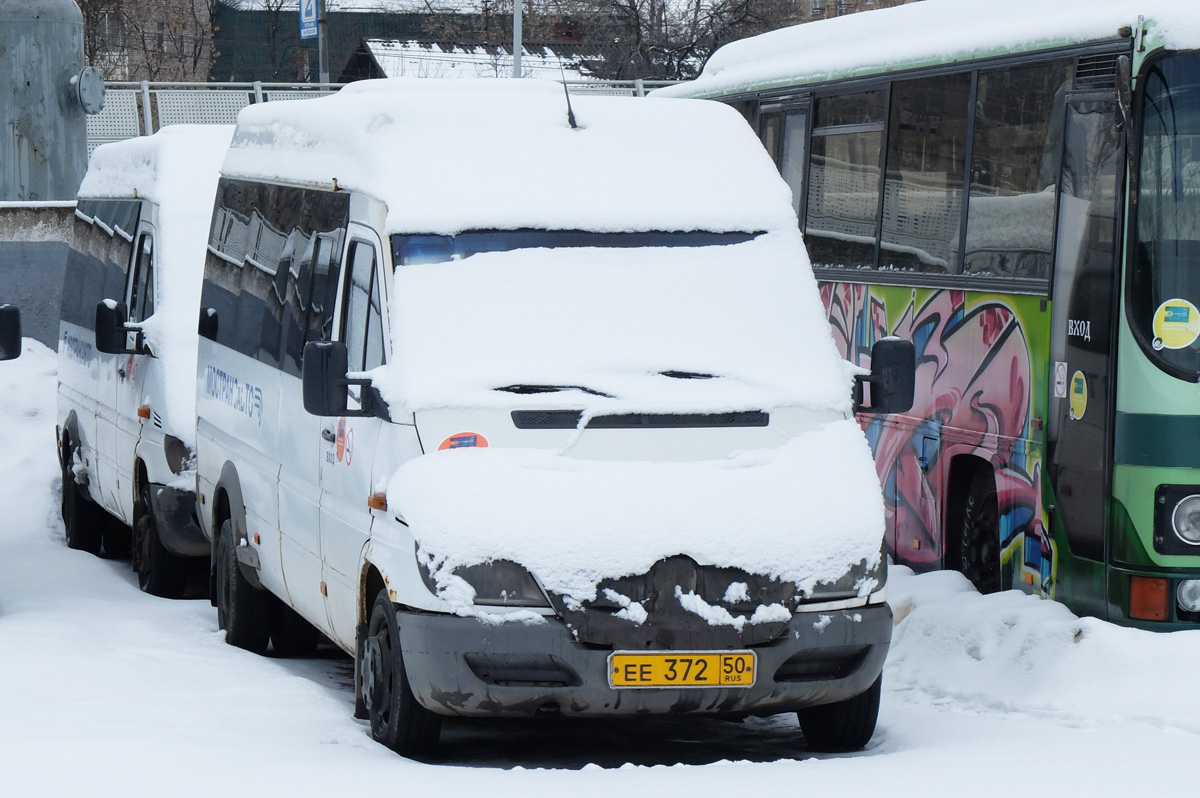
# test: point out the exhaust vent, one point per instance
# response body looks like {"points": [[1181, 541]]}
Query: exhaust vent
{"points": [[1096, 72]]}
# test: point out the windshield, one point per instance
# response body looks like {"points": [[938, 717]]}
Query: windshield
{"points": [[411, 250], [1165, 278]]}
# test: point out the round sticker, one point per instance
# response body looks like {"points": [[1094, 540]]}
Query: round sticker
{"points": [[1176, 324], [1078, 395], [341, 439], [464, 440]]}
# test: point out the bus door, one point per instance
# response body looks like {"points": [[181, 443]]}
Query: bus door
{"points": [[1083, 333]]}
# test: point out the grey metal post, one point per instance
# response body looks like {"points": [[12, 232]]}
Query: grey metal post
{"points": [[516, 38], [258, 96], [639, 88], [147, 119], [322, 52]]}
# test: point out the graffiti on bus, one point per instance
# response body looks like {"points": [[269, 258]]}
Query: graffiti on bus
{"points": [[974, 391]]}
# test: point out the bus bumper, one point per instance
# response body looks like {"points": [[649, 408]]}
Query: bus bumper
{"points": [[466, 667]]}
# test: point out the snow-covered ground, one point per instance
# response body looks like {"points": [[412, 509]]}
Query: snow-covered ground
{"points": [[108, 691]]}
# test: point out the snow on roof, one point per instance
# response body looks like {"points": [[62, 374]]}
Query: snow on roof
{"points": [[932, 31], [457, 60], [177, 169], [453, 155]]}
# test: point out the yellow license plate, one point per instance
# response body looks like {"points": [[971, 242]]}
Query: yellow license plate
{"points": [[681, 668]]}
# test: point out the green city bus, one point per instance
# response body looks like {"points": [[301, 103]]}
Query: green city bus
{"points": [[1015, 188]]}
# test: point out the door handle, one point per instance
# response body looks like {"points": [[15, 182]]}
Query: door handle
{"points": [[328, 435]]}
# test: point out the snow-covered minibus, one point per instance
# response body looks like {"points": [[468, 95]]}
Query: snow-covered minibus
{"points": [[10, 332], [532, 408], [127, 352]]}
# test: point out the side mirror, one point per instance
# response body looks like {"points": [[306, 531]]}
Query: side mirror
{"points": [[208, 324], [10, 332], [893, 378], [110, 328], [323, 378], [324, 383]]}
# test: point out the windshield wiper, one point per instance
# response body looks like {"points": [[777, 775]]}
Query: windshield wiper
{"points": [[524, 388], [687, 375]]}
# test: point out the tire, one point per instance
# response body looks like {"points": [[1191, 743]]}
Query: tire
{"points": [[83, 521], [291, 635], [979, 544], [243, 611], [397, 719], [844, 725], [159, 572]]}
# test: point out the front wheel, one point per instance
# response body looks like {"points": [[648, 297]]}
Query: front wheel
{"points": [[397, 719], [243, 611], [160, 573], [980, 541], [843, 725]]}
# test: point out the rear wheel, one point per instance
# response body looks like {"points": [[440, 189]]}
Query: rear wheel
{"points": [[83, 521], [844, 725], [980, 534], [160, 573], [397, 719], [243, 611]]}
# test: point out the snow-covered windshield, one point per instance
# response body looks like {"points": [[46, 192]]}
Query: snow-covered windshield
{"points": [[410, 250]]}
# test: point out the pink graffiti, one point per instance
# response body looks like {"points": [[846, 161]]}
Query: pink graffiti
{"points": [[973, 385]]}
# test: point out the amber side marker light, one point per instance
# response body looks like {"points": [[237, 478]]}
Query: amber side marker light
{"points": [[1148, 598], [144, 411], [377, 501]]}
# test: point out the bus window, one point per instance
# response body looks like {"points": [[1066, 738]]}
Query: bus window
{"points": [[922, 195], [795, 156], [843, 195], [768, 131], [1014, 169]]}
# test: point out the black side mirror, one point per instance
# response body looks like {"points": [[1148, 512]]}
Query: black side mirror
{"points": [[110, 328], [324, 383], [208, 323], [10, 332], [323, 378], [893, 378]]}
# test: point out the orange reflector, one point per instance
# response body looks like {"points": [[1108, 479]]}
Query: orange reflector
{"points": [[377, 501], [916, 544], [1147, 598], [1028, 578], [324, 590], [257, 540], [144, 411]]}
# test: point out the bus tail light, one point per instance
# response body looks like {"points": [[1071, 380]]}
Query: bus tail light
{"points": [[1147, 598]]}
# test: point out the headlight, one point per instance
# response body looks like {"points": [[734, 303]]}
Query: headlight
{"points": [[1185, 520], [500, 583], [1188, 595], [179, 456]]}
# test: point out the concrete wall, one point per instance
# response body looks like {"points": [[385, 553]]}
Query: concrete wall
{"points": [[33, 255]]}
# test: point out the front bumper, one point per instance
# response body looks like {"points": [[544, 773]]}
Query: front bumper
{"points": [[462, 666]]}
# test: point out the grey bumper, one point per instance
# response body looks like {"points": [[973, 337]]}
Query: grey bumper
{"points": [[175, 518], [461, 666]]}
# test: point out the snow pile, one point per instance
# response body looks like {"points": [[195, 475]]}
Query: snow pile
{"points": [[1011, 652], [177, 169], [476, 154], [929, 32], [792, 512], [612, 320]]}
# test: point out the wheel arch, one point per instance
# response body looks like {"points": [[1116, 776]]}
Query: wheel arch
{"points": [[962, 473]]}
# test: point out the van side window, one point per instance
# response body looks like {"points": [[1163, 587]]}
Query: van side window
{"points": [[97, 263], [362, 325], [141, 279]]}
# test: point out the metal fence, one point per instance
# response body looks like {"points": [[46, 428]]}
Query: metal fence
{"points": [[139, 109]]}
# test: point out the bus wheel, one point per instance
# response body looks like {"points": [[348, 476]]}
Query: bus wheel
{"points": [[843, 725], [397, 719], [291, 635], [243, 611], [160, 573], [980, 542], [82, 519]]}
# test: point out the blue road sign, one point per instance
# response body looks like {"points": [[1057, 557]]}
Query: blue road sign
{"points": [[308, 19]]}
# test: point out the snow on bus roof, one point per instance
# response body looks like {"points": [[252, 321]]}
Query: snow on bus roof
{"points": [[930, 32], [177, 169], [470, 154]]}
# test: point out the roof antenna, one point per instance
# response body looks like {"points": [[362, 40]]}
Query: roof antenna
{"points": [[567, 94]]}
